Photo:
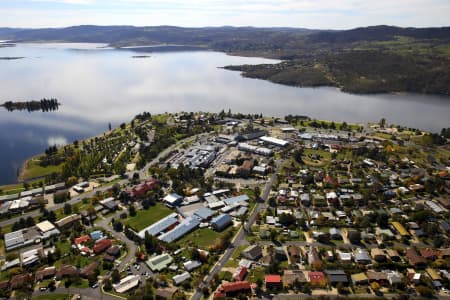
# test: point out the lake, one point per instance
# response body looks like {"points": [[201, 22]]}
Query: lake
{"points": [[97, 86]]}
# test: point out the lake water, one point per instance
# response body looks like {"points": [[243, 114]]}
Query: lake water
{"points": [[97, 86]]}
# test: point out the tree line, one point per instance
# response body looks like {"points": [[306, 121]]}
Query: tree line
{"points": [[44, 105]]}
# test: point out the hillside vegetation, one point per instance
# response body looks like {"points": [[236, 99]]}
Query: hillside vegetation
{"points": [[373, 59]]}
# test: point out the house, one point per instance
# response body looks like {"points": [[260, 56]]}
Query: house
{"points": [[393, 255], [240, 273], [89, 270], [109, 204], [140, 189], [165, 293], [66, 271], [344, 257], [102, 245], [294, 253], [429, 254], [394, 277], [113, 251], [127, 283], [96, 235], [273, 282], [252, 252], [81, 240], [108, 258], [220, 222], [280, 254], [359, 279], [378, 255], [291, 277], [317, 279], [378, 277], [230, 289], [400, 229], [191, 265], [45, 273], [178, 279], [68, 221], [335, 234], [173, 200], [414, 259], [362, 257], [19, 281], [336, 276], [160, 262]]}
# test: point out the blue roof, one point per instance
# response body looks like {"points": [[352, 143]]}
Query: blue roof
{"points": [[221, 220], [203, 213], [96, 234], [181, 229], [160, 226], [233, 200]]}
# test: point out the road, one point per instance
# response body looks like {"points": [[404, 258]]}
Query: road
{"points": [[239, 238], [143, 175], [87, 292]]}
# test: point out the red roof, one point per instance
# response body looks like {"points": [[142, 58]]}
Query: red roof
{"points": [[273, 279], [230, 287], [240, 273], [81, 239], [316, 277], [86, 250], [102, 245]]}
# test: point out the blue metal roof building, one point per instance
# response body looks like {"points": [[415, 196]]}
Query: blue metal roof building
{"points": [[203, 213], [237, 199], [180, 230], [160, 226], [221, 221]]}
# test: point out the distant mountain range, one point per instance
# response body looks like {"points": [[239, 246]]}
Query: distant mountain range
{"points": [[362, 60]]}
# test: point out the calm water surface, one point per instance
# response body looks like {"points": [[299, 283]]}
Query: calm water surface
{"points": [[98, 86]]}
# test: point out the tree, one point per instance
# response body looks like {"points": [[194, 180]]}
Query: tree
{"points": [[382, 122], [107, 285], [115, 276], [132, 210], [67, 209], [30, 222], [354, 236], [51, 216], [118, 226]]}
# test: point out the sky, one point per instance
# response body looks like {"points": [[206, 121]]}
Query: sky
{"points": [[317, 14]]}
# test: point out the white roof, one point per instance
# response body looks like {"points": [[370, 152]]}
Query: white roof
{"points": [[45, 226], [275, 141], [126, 283]]}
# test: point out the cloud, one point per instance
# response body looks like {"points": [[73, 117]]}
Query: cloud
{"points": [[321, 14]]}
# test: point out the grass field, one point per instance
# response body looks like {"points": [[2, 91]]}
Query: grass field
{"points": [[203, 238], [145, 218], [33, 169]]}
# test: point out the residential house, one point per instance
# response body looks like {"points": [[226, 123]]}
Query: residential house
{"points": [[415, 259], [280, 254], [362, 257], [378, 255], [66, 271], [89, 270], [45, 273], [21, 280], [393, 255], [252, 252], [165, 293], [240, 273], [293, 277], [337, 276], [102, 245], [359, 279], [273, 282], [179, 279], [294, 253], [317, 279], [378, 277], [230, 289]]}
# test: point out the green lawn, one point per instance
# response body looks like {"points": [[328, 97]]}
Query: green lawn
{"points": [[145, 218], [203, 238], [63, 246], [33, 169]]}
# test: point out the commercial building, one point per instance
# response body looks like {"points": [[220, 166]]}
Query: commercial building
{"points": [[159, 263], [220, 222], [173, 200], [274, 141], [162, 225], [127, 284], [186, 226]]}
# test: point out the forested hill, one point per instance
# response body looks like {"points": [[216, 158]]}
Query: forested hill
{"points": [[372, 59]]}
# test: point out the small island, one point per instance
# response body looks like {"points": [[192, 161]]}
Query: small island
{"points": [[44, 105], [141, 56], [11, 57]]}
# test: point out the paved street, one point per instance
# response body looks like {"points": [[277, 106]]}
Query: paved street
{"points": [[239, 238]]}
